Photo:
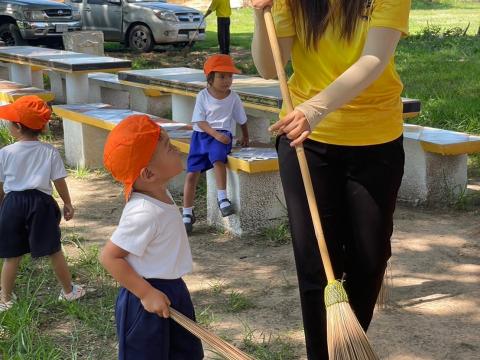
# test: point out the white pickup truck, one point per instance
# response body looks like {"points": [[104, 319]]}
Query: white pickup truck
{"points": [[140, 24]]}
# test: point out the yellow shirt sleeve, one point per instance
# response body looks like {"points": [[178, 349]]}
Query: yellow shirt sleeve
{"points": [[282, 16], [213, 6], [391, 14]]}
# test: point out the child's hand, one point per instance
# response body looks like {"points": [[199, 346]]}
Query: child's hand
{"points": [[224, 139], [244, 141], [156, 302], [68, 211]]}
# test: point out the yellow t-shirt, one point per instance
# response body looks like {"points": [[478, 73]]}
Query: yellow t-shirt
{"points": [[373, 117], [221, 7]]}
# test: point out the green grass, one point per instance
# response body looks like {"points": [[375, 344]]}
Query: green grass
{"points": [[237, 302], [267, 347], [277, 235], [79, 172], [40, 327], [5, 137]]}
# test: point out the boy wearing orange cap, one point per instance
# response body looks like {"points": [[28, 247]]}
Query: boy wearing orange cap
{"points": [[217, 111], [149, 251], [29, 216]]}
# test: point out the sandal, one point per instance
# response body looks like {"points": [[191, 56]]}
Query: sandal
{"points": [[226, 210], [189, 223]]}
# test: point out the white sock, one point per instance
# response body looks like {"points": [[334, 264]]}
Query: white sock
{"points": [[221, 195], [187, 211]]}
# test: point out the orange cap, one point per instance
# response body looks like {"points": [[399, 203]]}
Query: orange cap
{"points": [[221, 63], [129, 148], [30, 111]]}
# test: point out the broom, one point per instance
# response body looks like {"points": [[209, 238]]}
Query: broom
{"points": [[223, 348], [345, 337]]}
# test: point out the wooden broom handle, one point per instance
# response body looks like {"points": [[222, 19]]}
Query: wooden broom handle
{"points": [[307, 180]]}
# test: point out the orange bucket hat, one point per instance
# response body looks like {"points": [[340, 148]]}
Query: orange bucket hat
{"points": [[129, 148], [220, 63], [30, 111]]}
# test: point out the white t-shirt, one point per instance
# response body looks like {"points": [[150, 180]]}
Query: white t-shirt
{"points": [[29, 165], [221, 114], [154, 235]]}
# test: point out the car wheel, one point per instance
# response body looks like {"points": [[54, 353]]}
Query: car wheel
{"points": [[140, 39], [10, 35]]}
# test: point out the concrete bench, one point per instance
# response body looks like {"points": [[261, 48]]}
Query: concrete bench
{"points": [[435, 164], [253, 182], [11, 91], [106, 88], [435, 167]]}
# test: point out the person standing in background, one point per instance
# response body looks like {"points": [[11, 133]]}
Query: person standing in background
{"points": [[223, 11]]}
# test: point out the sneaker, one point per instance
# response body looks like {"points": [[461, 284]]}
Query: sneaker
{"points": [[77, 293], [226, 210], [188, 221], [4, 306]]}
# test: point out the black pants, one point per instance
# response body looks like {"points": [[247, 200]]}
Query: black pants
{"points": [[223, 31], [356, 189]]}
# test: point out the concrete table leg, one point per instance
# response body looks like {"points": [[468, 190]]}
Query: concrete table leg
{"points": [[182, 108], [5, 71], [431, 178], [57, 86], [83, 143], [37, 79], [258, 123], [258, 200], [21, 74]]}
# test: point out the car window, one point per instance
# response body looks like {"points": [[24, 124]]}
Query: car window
{"points": [[97, 2]]}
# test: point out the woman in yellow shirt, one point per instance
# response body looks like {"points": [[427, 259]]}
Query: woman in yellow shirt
{"points": [[223, 11], [348, 115]]}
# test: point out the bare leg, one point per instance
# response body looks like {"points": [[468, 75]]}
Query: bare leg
{"points": [[9, 274], [189, 189], [220, 175], [60, 268]]}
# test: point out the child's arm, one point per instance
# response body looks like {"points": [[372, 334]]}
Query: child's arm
{"points": [[2, 194], [153, 300], [62, 189], [205, 126], [244, 141]]}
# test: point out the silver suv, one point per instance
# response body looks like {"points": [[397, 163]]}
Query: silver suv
{"points": [[39, 21], [140, 24]]}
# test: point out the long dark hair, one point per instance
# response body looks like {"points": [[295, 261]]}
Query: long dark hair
{"points": [[315, 15]]}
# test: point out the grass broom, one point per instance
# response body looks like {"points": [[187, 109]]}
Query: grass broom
{"points": [[345, 337], [222, 347]]}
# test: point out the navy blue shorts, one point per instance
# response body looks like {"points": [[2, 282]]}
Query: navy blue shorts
{"points": [[205, 151], [146, 336], [29, 223]]}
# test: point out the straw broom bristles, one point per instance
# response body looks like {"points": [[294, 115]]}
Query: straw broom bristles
{"points": [[385, 290], [223, 348], [345, 337]]}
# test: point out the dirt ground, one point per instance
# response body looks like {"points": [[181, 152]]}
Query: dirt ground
{"points": [[434, 307]]}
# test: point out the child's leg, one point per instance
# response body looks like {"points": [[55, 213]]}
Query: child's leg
{"points": [[9, 274], [60, 268], [189, 189], [226, 207], [220, 175]]}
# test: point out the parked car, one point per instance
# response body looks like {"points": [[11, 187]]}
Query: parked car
{"points": [[141, 24], [36, 21]]}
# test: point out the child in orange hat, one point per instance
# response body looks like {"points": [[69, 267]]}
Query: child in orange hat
{"points": [[149, 251], [217, 111], [29, 216]]}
